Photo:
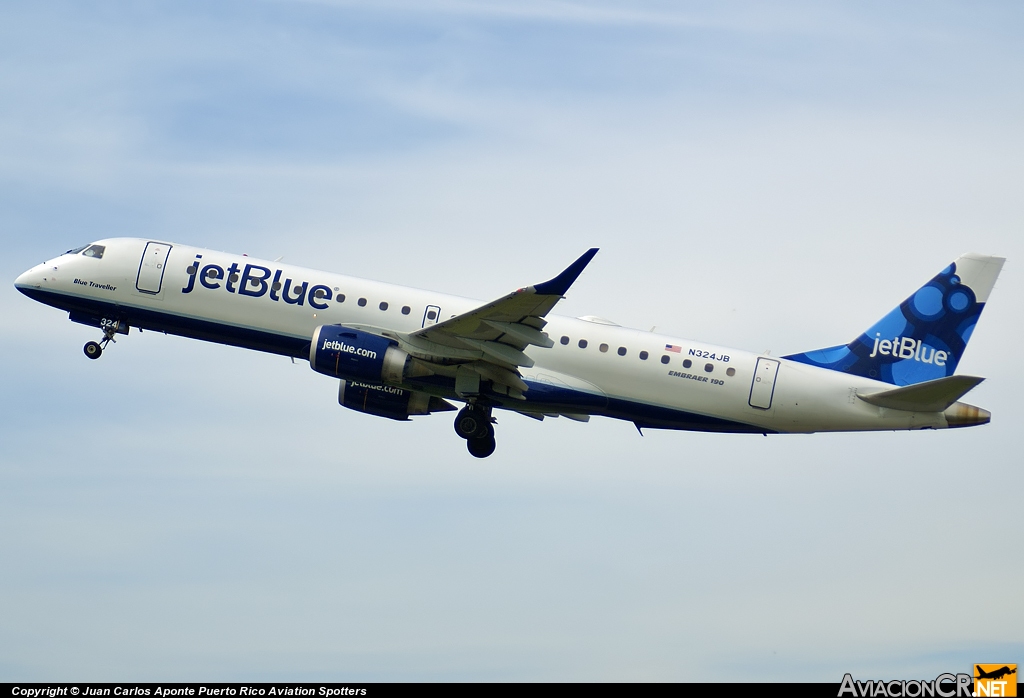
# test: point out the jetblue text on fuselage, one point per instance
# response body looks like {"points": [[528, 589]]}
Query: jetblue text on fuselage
{"points": [[908, 348], [255, 281]]}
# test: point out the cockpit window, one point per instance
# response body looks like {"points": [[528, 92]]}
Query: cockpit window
{"points": [[94, 251], [76, 250]]}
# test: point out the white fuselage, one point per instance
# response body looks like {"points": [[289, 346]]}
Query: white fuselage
{"points": [[715, 386]]}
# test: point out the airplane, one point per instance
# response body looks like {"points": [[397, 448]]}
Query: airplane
{"points": [[399, 352], [995, 674]]}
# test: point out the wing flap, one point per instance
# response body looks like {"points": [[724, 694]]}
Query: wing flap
{"points": [[502, 352], [522, 333]]}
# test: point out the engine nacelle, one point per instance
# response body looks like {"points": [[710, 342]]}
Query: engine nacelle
{"points": [[388, 401], [345, 353]]}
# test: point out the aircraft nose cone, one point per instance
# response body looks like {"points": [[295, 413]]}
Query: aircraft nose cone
{"points": [[30, 279]]}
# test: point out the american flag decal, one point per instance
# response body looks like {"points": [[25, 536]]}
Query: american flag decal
{"points": [[673, 347]]}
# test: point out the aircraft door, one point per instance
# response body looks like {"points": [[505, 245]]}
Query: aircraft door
{"points": [[431, 315], [151, 268], [763, 386]]}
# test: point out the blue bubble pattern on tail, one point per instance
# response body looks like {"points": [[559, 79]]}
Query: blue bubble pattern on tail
{"points": [[920, 340]]}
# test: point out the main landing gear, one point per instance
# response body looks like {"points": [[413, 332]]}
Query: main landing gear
{"points": [[94, 350], [473, 423]]}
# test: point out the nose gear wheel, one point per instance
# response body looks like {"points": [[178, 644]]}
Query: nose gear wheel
{"points": [[94, 350]]}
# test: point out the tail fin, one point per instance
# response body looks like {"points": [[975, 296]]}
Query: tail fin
{"points": [[925, 336]]}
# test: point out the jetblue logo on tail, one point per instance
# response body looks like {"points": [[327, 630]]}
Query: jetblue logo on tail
{"points": [[908, 348], [922, 338]]}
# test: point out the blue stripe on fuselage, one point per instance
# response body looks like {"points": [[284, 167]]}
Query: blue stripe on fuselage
{"points": [[170, 323], [643, 415], [550, 397]]}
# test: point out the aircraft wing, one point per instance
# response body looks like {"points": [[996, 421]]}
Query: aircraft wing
{"points": [[489, 342], [502, 329]]}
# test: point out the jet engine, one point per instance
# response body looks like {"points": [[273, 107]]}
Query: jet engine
{"points": [[388, 401], [345, 353]]}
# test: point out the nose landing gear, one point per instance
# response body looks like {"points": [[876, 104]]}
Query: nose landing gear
{"points": [[473, 423], [110, 327]]}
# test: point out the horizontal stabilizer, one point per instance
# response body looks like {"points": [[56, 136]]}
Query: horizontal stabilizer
{"points": [[930, 396]]}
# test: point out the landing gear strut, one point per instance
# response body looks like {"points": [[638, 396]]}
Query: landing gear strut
{"points": [[95, 349], [473, 423]]}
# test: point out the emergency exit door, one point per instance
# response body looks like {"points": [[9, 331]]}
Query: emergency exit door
{"points": [[151, 268], [763, 387], [431, 316]]}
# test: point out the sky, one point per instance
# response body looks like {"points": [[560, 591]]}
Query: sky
{"points": [[772, 176]]}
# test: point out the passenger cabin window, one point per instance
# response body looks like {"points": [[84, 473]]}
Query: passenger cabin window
{"points": [[319, 293], [730, 371], [339, 297], [687, 363], [383, 305], [709, 367], [564, 340], [664, 359], [431, 315], [603, 348], [622, 351], [362, 302], [94, 251], [406, 310], [583, 344], [644, 355]]}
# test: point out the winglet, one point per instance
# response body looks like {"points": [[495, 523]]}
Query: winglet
{"points": [[561, 283]]}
